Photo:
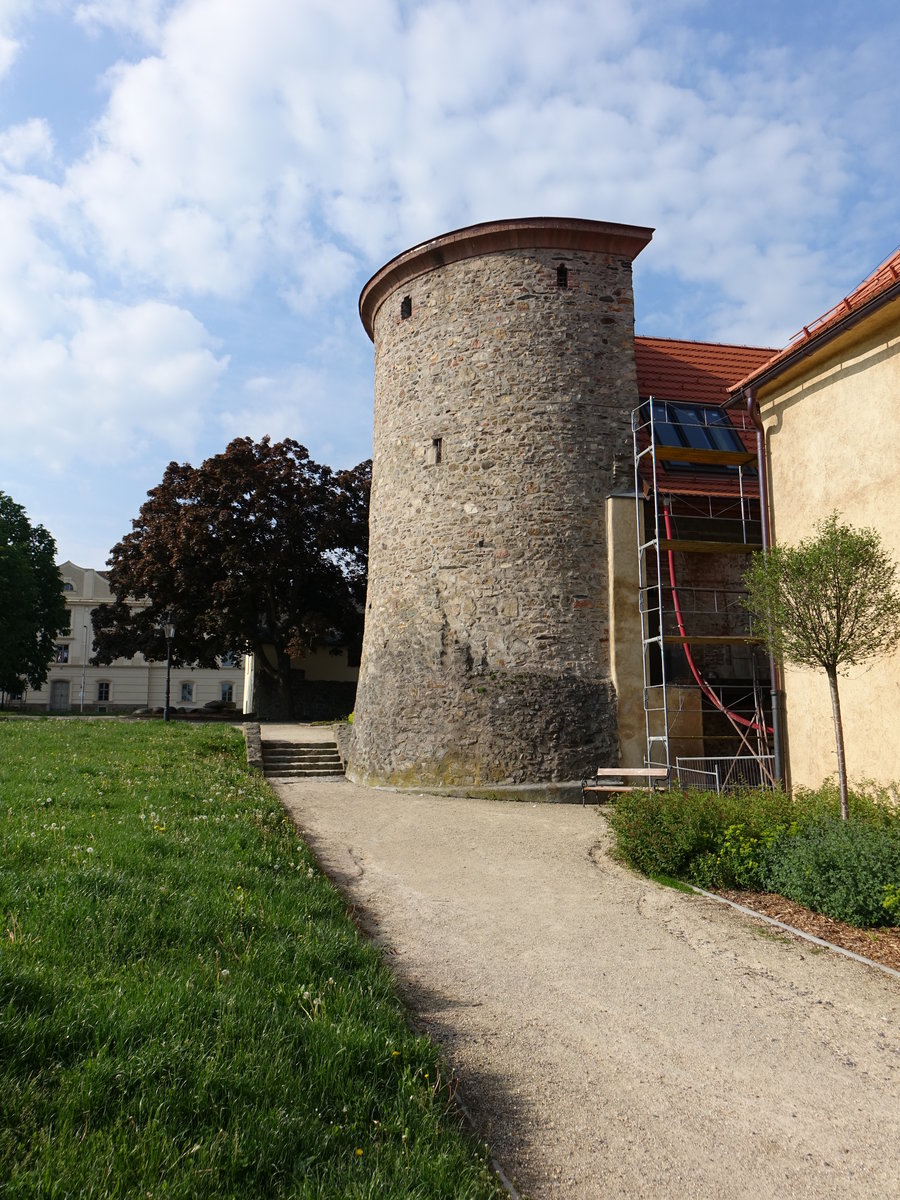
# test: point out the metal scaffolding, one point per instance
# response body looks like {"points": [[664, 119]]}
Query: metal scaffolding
{"points": [[691, 470]]}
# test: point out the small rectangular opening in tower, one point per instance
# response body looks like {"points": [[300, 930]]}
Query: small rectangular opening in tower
{"points": [[405, 308], [562, 276], [437, 451]]}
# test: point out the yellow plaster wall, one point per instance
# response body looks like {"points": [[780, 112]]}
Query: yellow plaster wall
{"points": [[833, 440], [684, 708], [321, 665], [625, 629]]}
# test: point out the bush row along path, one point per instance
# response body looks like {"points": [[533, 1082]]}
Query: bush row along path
{"points": [[613, 1038]]}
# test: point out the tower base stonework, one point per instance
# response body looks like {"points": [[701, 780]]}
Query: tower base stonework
{"points": [[504, 384]]}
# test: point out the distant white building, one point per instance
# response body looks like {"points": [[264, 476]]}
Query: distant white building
{"points": [[73, 685]]}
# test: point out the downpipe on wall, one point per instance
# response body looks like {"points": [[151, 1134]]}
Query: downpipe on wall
{"points": [[774, 686]]}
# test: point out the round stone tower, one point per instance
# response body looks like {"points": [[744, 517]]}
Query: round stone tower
{"points": [[504, 383]]}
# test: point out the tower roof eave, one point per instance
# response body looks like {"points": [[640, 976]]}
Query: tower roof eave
{"points": [[491, 237]]}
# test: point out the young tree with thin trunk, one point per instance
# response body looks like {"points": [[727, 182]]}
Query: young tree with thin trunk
{"points": [[830, 602]]}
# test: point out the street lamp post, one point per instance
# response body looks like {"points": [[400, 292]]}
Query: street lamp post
{"points": [[169, 629]]}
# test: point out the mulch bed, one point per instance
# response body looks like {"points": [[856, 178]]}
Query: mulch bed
{"points": [[881, 945]]}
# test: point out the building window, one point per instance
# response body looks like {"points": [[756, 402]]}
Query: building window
{"points": [[227, 693], [102, 692], [187, 693], [62, 653], [436, 452], [68, 587], [562, 276], [405, 308]]}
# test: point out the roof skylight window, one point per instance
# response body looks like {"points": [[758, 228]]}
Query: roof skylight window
{"points": [[694, 426], [690, 427]]}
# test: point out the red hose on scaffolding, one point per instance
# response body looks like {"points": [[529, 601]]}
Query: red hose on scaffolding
{"points": [[703, 685]]}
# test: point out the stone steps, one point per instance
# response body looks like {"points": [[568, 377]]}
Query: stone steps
{"points": [[290, 760]]}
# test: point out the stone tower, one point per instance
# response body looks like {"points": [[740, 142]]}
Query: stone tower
{"points": [[504, 384]]}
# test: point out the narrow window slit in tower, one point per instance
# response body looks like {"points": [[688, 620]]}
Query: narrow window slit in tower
{"points": [[562, 276], [405, 308], [437, 450]]}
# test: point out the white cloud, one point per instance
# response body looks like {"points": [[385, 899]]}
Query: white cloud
{"points": [[319, 404], [87, 379], [84, 378], [13, 14], [291, 146], [9, 47], [129, 377], [300, 142], [30, 143], [327, 273], [139, 18]]}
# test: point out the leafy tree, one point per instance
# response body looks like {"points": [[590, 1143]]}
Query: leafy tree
{"points": [[32, 607], [258, 546], [830, 602]]}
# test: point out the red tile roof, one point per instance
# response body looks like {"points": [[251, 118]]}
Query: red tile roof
{"points": [[883, 279], [702, 372]]}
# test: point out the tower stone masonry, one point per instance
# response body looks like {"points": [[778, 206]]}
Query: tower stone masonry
{"points": [[504, 383]]}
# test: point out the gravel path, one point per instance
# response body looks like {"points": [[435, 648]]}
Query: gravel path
{"points": [[613, 1038]]}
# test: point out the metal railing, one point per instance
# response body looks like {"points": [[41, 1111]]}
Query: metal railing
{"points": [[726, 773]]}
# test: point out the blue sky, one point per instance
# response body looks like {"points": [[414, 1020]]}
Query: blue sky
{"points": [[193, 192]]}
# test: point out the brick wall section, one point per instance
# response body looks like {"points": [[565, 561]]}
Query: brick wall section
{"points": [[486, 654]]}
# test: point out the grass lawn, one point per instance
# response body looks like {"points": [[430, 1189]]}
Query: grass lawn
{"points": [[185, 1008]]}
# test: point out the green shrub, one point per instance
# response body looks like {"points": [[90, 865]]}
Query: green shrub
{"points": [[767, 841], [711, 840], [849, 870], [742, 857], [661, 833], [870, 803]]}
